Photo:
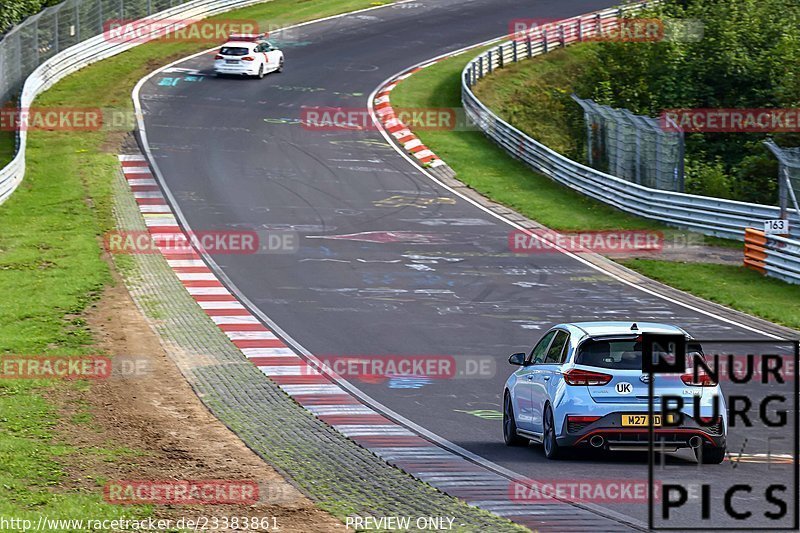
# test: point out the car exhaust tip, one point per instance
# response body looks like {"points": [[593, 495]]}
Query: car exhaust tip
{"points": [[695, 442], [597, 441]]}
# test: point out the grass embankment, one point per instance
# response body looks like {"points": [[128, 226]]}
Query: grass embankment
{"points": [[7, 143], [52, 268], [488, 169]]}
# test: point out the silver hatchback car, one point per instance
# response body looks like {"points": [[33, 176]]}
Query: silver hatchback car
{"points": [[582, 385]]}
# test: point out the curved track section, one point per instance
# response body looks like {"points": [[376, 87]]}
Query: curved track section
{"points": [[390, 261]]}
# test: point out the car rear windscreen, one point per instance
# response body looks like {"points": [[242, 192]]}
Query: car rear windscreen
{"points": [[620, 354], [233, 51]]}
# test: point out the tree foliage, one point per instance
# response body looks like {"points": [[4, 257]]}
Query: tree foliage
{"points": [[748, 57], [15, 11]]}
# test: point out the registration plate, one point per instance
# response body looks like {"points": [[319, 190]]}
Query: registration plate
{"points": [[640, 420], [231, 61]]}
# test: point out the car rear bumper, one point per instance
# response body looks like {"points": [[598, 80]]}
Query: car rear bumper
{"points": [[236, 69], [609, 433]]}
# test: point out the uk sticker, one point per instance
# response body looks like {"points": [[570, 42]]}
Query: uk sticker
{"points": [[623, 387]]}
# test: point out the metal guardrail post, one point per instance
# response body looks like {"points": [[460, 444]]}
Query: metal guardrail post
{"points": [[530, 49], [36, 39], [500, 58], [489, 60], [55, 30], [561, 36], [544, 41], [514, 48]]}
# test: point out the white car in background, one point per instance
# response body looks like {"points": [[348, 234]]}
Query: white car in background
{"points": [[247, 55]]}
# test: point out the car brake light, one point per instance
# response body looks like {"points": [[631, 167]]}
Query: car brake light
{"points": [[703, 380], [218, 56], [584, 377], [247, 58], [582, 419]]}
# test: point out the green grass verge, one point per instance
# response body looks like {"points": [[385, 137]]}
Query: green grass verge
{"points": [[485, 167], [734, 286], [7, 144], [488, 169], [51, 264], [534, 96]]}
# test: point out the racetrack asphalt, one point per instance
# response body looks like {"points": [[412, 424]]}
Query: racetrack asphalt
{"points": [[391, 263]]}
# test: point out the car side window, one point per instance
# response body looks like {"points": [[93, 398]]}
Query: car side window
{"points": [[538, 352], [555, 354], [259, 48]]}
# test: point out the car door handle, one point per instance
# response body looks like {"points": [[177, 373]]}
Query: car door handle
{"points": [[546, 378], [530, 377]]}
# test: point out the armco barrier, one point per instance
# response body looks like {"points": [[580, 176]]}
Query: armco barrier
{"points": [[711, 216], [90, 51], [774, 256]]}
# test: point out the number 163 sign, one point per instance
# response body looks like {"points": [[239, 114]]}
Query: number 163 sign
{"points": [[776, 227]]}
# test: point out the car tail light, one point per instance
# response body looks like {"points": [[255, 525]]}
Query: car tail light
{"points": [[576, 424], [582, 419], [584, 377], [703, 380], [218, 56], [248, 58]]}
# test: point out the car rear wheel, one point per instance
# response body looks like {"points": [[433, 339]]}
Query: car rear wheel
{"points": [[280, 66], [261, 72], [710, 455], [549, 442], [510, 425]]}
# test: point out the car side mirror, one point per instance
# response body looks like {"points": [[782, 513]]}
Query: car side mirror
{"points": [[517, 359]]}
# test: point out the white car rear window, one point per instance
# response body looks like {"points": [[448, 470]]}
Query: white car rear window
{"points": [[233, 51]]}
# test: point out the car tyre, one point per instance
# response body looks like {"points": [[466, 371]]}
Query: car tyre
{"points": [[711, 455], [280, 66], [510, 425], [261, 72], [549, 442]]}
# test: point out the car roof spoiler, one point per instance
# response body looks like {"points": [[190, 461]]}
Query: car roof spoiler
{"points": [[248, 37]]}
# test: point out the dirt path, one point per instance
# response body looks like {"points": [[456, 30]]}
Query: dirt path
{"points": [[155, 414]]}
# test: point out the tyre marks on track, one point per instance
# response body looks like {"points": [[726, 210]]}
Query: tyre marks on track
{"points": [[318, 392]]}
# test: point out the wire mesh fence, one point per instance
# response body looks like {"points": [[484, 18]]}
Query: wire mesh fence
{"points": [[56, 28], [633, 147], [788, 176]]}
